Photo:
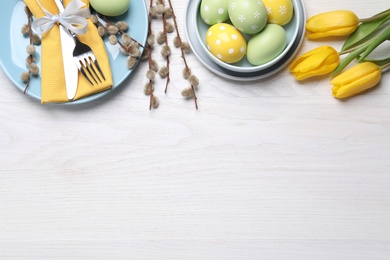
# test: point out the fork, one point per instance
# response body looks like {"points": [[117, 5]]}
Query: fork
{"points": [[84, 57], [86, 61]]}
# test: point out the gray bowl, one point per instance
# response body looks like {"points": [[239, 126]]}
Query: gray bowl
{"points": [[243, 71], [292, 29]]}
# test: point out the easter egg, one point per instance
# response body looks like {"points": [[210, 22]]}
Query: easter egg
{"points": [[248, 16], [111, 7], [279, 11], [225, 42], [266, 45], [214, 11]]}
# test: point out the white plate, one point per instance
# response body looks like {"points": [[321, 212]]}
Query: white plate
{"points": [[13, 48], [200, 53]]}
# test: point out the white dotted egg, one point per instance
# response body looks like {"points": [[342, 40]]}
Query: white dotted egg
{"points": [[279, 11], [214, 11], [226, 43], [249, 16]]}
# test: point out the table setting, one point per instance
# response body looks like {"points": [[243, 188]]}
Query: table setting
{"points": [[200, 129], [268, 49]]}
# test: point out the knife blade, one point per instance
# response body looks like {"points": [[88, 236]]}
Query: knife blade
{"points": [[70, 68]]}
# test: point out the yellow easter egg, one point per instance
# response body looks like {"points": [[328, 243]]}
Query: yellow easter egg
{"points": [[279, 11], [226, 43]]}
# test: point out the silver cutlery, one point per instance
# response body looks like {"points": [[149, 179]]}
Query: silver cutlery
{"points": [[86, 61], [70, 68], [83, 56]]}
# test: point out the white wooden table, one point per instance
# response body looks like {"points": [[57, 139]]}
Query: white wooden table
{"points": [[271, 169]]}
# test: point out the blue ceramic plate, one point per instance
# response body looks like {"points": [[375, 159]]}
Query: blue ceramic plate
{"points": [[13, 48]]}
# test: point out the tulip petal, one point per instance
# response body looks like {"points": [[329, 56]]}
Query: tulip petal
{"points": [[358, 71], [315, 61], [336, 32], [335, 23], [366, 30], [306, 55], [356, 80], [319, 61], [356, 87], [335, 19]]}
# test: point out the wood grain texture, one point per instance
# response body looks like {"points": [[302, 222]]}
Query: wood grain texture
{"points": [[271, 169]]}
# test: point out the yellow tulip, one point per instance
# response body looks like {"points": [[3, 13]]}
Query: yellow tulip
{"points": [[355, 80], [319, 61], [335, 23]]}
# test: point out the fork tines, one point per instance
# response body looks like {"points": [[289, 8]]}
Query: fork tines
{"points": [[89, 68], [86, 62]]}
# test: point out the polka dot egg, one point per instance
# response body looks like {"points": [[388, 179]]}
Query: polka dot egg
{"points": [[226, 43], [214, 11], [248, 16], [279, 11]]}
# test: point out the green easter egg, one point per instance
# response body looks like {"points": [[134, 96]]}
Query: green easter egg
{"points": [[214, 11], [111, 7], [248, 16], [266, 45]]}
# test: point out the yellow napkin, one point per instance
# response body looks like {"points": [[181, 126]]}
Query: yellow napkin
{"points": [[52, 71]]}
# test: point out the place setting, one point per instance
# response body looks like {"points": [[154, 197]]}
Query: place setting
{"points": [[74, 63]]}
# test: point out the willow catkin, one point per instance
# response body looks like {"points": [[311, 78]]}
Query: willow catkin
{"points": [[187, 92], [155, 102], [30, 49], [186, 73], [148, 88], [126, 39], [131, 62], [163, 72], [193, 80], [122, 26], [25, 76], [34, 69], [165, 51], [160, 38], [112, 29], [94, 18], [36, 40], [169, 27], [168, 12], [150, 74], [101, 31]]}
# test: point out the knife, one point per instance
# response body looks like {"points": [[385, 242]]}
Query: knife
{"points": [[70, 68]]}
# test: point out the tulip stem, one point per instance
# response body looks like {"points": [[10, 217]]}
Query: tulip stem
{"points": [[347, 60], [375, 17], [385, 66], [356, 47]]}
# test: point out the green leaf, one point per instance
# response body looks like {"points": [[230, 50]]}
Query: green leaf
{"points": [[364, 32], [380, 63], [375, 43], [347, 60], [379, 15]]}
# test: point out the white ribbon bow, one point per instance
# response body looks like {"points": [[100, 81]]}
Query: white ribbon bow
{"points": [[73, 18]]}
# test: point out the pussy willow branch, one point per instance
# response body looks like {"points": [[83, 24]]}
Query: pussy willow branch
{"points": [[182, 51], [119, 42], [120, 31], [149, 53], [30, 34], [167, 44]]}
